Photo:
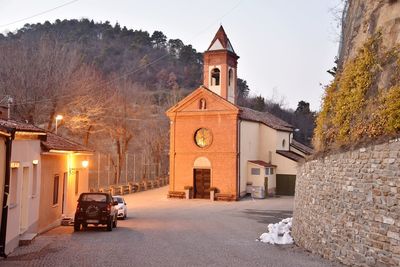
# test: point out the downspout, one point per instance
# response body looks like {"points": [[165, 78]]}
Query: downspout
{"points": [[174, 155], [238, 126], [4, 210]]}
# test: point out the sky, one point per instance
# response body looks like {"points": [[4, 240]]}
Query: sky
{"points": [[285, 47]]}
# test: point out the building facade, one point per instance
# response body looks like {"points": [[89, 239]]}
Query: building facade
{"points": [[42, 177], [216, 145]]}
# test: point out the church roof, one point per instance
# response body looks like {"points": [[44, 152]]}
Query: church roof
{"points": [[290, 155], [303, 148], [221, 41], [265, 118]]}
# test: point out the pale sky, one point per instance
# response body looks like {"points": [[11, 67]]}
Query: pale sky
{"points": [[285, 47]]}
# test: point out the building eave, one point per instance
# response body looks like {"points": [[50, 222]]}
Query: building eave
{"points": [[67, 152]]}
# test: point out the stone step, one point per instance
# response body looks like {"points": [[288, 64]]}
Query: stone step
{"points": [[67, 221], [26, 239]]}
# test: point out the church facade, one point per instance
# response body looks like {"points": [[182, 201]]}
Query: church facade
{"points": [[216, 145]]}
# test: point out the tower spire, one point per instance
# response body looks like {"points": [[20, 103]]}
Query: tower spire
{"points": [[220, 67]]}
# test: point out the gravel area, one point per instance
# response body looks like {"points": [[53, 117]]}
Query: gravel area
{"points": [[172, 232]]}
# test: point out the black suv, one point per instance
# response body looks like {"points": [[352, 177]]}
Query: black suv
{"points": [[95, 208]]}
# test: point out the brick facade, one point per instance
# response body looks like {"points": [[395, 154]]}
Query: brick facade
{"points": [[221, 118]]}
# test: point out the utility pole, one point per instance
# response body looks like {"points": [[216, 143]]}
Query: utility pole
{"points": [[126, 168], [9, 102]]}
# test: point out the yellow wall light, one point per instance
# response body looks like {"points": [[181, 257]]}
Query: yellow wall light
{"points": [[85, 164]]}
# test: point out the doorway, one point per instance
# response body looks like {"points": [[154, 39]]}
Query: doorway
{"points": [[202, 182], [23, 226], [285, 184]]}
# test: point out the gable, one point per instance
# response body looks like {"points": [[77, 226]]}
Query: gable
{"points": [[216, 45], [203, 96]]}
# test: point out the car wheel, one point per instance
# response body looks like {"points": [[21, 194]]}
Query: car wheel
{"points": [[110, 225], [77, 226], [84, 225], [115, 222], [125, 215]]}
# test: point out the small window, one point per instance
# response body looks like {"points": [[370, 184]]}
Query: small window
{"points": [[93, 197], [215, 76], [255, 171], [76, 182], [55, 189], [230, 76], [283, 143], [13, 186], [269, 171], [202, 104]]}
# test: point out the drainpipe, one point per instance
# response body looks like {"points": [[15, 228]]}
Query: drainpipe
{"points": [[238, 125], [174, 155], [4, 210]]}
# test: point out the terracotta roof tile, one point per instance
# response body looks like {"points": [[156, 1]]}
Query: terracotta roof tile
{"points": [[262, 163], [290, 155], [20, 126], [265, 118], [56, 142]]}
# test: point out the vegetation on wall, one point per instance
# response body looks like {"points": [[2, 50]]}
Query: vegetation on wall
{"points": [[363, 101]]}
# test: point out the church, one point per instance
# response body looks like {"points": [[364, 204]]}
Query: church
{"points": [[219, 147]]}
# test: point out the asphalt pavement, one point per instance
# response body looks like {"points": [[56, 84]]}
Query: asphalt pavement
{"points": [[173, 232]]}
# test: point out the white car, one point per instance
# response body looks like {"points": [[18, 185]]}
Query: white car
{"points": [[121, 207]]}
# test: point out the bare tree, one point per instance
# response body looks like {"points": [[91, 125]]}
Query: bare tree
{"points": [[42, 76]]}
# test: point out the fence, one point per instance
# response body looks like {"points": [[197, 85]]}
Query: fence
{"points": [[108, 170]]}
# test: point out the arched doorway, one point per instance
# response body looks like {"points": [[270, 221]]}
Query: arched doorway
{"points": [[201, 178]]}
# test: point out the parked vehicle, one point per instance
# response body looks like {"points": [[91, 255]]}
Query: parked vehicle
{"points": [[96, 209], [121, 207]]}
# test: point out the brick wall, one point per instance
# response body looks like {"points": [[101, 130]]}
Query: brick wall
{"points": [[347, 206]]}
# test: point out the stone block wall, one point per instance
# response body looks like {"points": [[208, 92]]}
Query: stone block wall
{"points": [[347, 206]]}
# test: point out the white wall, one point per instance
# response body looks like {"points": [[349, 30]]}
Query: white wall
{"points": [[24, 152], [260, 142], [249, 149], [259, 180], [280, 136], [75, 162], [2, 168], [285, 165]]}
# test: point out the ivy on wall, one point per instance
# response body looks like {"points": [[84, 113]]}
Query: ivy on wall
{"points": [[363, 101]]}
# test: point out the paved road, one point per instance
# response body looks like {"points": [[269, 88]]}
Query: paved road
{"points": [[171, 232]]}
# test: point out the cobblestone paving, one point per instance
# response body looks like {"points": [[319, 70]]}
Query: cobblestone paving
{"points": [[169, 232]]}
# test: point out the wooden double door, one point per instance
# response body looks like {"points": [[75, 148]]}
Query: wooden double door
{"points": [[202, 183]]}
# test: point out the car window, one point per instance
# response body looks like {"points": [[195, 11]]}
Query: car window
{"points": [[94, 197], [120, 200]]}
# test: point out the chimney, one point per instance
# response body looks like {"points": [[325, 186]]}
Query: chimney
{"points": [[4, 112]]}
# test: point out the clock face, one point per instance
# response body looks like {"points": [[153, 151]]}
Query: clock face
{"points": [[203, 137]]}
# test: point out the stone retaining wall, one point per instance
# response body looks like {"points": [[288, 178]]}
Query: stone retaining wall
{"points": [[347, 206]]}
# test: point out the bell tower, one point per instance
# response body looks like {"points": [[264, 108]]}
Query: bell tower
{"points": [[220, 67]]}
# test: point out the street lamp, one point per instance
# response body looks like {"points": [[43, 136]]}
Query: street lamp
{"points": [[58, 118]]}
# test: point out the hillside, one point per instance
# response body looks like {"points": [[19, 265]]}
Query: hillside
{"points": [[112, 49], [362, 103]]}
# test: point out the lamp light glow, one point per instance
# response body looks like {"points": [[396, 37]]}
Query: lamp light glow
{"points": [[35, 162], [85, 164]]}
